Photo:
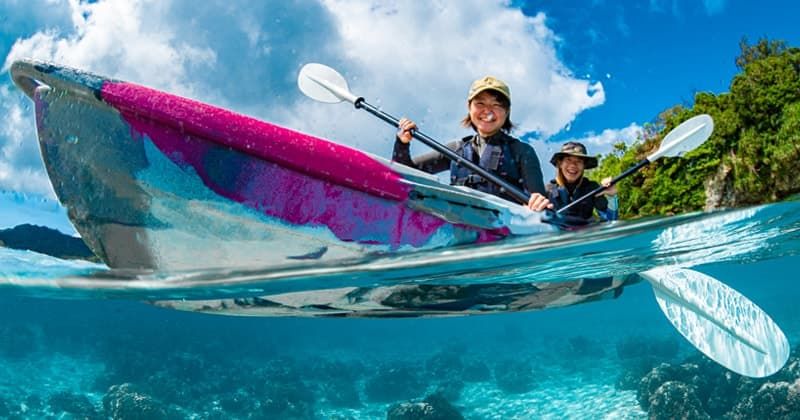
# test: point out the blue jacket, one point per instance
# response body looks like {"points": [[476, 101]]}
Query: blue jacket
{"points": [[560, 196]]}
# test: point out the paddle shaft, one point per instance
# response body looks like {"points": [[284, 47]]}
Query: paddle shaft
{"points": [[642, 163], [453, 156]]}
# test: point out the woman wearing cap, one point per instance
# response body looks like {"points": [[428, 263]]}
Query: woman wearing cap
{"points": [[491, 147], [570, 184]]}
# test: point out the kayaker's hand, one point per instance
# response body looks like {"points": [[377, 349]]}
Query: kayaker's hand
{"points": [[539, 202], [612, 190], [405, 127]]}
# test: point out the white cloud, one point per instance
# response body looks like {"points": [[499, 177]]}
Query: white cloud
{"points": [[411, 58], [21, 18], [604, 142], [20, 165], [119, 38], [421, 57]]}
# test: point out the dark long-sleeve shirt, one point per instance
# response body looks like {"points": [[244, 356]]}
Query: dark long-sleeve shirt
{"points": [[524, 157], [561, 196]]}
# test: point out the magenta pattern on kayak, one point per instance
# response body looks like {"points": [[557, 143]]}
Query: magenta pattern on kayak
{"points": [[346, 190]]}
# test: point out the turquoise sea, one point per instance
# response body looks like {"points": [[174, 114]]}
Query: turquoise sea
{"points": [[103, 356]]}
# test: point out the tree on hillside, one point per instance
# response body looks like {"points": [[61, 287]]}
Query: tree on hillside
{"points": [[763, 49], [750, 158]]}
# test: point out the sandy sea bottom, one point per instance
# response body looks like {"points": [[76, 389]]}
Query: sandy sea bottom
{"points": [[99, 359]]}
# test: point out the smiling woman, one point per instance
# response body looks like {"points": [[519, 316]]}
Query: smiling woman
{"points": [[570, 185], [491, 148]]}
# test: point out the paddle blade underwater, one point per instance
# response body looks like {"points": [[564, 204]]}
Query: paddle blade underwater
{"points": [[720, 322]]}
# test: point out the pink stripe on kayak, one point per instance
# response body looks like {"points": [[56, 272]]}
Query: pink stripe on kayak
{"points": [[288, 195], [280, 190], [306, 154]]}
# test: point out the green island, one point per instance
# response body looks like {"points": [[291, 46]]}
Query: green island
{"points": [[751, 158]]}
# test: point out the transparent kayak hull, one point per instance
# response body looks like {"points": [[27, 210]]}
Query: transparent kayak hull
{"points": [[156, 181]]}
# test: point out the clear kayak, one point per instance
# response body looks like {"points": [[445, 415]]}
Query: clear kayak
{"points": [[156, 181]]}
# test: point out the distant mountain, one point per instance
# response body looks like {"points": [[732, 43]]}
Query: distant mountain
{"points": [[18, 207], [45, 240]]}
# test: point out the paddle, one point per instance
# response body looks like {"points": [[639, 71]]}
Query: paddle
{"points": [[719, 321], [324, 84], [683, 138]]}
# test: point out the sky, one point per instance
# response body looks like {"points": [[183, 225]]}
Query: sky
{"points": [[594, 71]]}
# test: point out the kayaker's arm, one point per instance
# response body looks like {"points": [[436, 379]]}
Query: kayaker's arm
{"points": [[530, 169], [432, 162], [607, 203]]}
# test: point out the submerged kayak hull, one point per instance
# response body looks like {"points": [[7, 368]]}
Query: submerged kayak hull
{"points": [[156, 181], [413, 300]]}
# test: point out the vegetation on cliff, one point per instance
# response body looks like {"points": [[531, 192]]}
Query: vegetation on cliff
{"points": [[752, 156]]}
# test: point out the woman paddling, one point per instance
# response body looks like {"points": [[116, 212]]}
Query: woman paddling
{"points": [[570, 185], [491, 147]]}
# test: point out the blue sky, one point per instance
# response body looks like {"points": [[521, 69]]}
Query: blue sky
{"points": [[594, 70], [652, 55]]}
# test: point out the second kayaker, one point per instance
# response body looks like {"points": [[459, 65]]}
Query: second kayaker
{"points": [[570, 184]]}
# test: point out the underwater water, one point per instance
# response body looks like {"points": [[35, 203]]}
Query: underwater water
{"points": [[106, 354]]}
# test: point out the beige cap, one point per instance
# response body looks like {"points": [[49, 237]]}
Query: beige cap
{"points": [[489, 83]]}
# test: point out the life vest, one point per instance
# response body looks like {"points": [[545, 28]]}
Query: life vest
{"points": [[560, 197], [497, 159]]}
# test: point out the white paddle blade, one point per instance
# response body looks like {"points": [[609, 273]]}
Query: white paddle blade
{"points": [[685, 137], [324, 84], [719, 321]]}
